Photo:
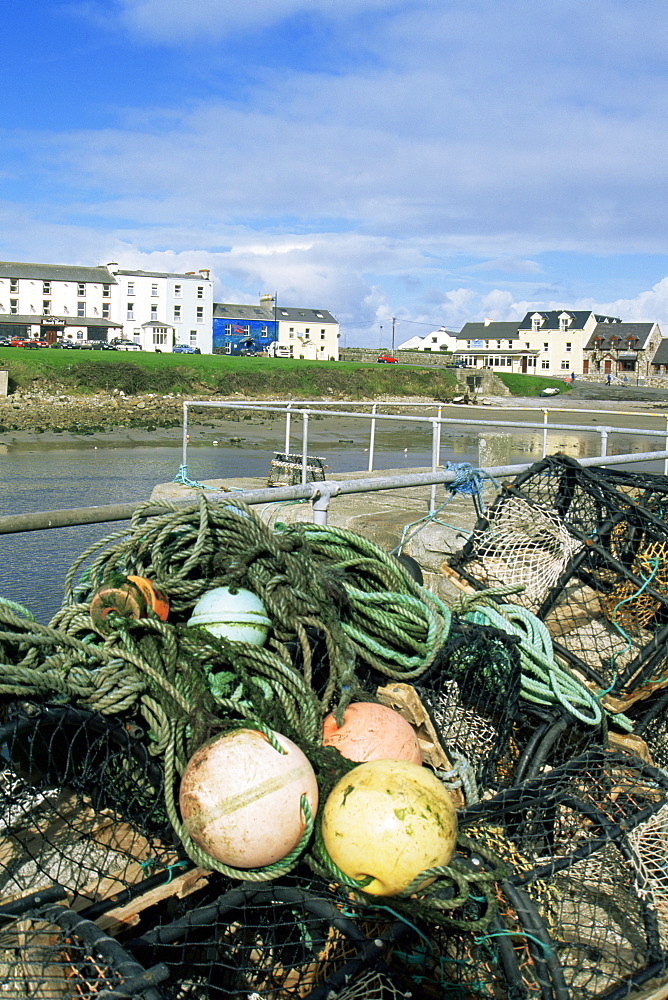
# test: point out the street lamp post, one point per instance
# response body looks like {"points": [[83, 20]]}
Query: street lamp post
{"points": [[393, 322]]}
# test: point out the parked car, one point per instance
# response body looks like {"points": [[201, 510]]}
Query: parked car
{"points": [[386, 359], [96, 345], [185, 349], [64, 345], [126, 345], [457, 363], [28, 342]]}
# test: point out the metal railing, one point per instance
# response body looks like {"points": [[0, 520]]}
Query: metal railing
{"points": [[320, 495], [305, 409]]}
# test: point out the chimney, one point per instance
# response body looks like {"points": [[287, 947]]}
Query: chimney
{"points": [[204, 271], [113, 267], [487, 321], [267, 300], [190, 274]]}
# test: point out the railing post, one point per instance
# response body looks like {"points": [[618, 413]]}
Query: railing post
{"points": [[184, 453], [372, 436], [545, 415], [435, 446], [304, 445], [288, 423], [604, 442]]}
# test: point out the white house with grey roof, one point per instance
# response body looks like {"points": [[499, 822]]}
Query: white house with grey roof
{"points": [[153, 309]]}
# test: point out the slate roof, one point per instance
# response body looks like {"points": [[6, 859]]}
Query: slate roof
{"points": [[623, 331], [489, 331], [235, 311], [161, 274], [231, 310], [12, 319], [55, 272], [551, 318], [661, 355]]}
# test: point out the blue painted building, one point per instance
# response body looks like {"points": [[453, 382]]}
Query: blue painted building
{"points": [[240, 329]]}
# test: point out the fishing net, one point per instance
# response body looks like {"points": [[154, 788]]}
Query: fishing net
{"points": [[554, 887], [589, 549]]}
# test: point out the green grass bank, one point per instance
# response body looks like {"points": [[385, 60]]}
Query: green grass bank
{"points": [[135, 373]]}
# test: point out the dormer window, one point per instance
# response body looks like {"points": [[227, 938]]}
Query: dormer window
{"points": [[564, 322], [536, 322]]}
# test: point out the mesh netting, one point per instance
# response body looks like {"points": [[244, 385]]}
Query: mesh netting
{"points": [[590, 549]]}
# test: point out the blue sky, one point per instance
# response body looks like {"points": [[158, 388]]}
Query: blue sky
{"points": [[434, 160]]}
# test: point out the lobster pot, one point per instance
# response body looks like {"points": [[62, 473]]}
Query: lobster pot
{"points": [[80, 806], [293, 938], [582, 910], [590, 550], [493, 736], [286, 469], [52, 953]]}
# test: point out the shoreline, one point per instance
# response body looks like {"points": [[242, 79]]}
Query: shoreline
{"points": [[150, 420]]}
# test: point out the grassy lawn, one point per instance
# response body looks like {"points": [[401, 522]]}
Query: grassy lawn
{"points": [[136, 372]]}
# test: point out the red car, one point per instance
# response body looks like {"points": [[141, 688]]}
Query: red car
{"points": [[27, 342], [386, 359]]}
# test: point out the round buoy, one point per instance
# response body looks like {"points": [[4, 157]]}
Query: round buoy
{"points": [[240, 799], [128, 597], [239, 616], [372, 732], [389, 819]]}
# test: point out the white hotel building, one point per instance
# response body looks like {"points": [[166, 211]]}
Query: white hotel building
{"points": [[152, 309]]}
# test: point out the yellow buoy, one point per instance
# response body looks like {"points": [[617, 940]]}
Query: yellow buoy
{"points": [[389, 819]]}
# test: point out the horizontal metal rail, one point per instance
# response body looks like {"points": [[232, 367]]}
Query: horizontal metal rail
{"points": [[437, 422], [318, 493]]}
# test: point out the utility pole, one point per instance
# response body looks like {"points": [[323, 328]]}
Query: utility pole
{"points": [[394, 319]]}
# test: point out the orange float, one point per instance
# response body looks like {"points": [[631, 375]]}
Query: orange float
{"points": [[372, 732], [240, 799], [128, 597]]}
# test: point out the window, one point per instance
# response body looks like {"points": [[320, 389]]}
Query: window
{"points": [[81, 289], [81, 308], [46, 308], [13, 284], [193, 336], [546, 347], [105, 310], [291, 334], [545, 364], [200, 317], [177, 291], [154, 311], [46, 288], [228, 329], [487, 345], [177, 314], [292, 329], [568, 347], [246, 325], [307, 329], [498, 344], [264, 331], [565, 366], [131, 310], [536, 322], [527, 346], [160, 335], [131, 287], [106, 291], [79, 334], [200, 291], [14, 306], [322, 330], [322, 336], [154, 289]]}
